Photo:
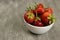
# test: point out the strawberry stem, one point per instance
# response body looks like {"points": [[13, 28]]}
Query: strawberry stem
{"points": [[35, 5], [29, 8], [37, 17], [51, 19], [36, 14]]}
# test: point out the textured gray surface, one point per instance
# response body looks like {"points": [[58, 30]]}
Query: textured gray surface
{"points": [[12, 26]]}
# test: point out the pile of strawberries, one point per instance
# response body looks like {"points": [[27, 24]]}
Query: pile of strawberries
{"points": [[39, 16]]}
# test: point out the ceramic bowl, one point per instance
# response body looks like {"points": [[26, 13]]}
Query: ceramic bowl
{"points": [[36, 29]]}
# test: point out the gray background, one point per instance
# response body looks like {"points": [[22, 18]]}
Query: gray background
{"points": [[11, 20]]}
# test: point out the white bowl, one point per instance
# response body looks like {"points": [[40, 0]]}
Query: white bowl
{"points": [[36, 29]]}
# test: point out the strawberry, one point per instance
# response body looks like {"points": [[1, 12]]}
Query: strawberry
{"points": [[44, 20], [40, 9], [49, 10], [38, 22], [47, 18], [44, 17], [29, 17]]}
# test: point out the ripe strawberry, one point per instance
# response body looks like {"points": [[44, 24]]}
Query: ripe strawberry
{"points": [[40, 9], [29, 17], [38, 22], [49, 10], [44, 17], [44, 20]]}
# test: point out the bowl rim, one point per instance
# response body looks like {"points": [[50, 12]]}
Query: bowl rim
{"points": [[37, 26]]}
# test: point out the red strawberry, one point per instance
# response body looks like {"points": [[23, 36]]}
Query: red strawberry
{"points": [[49, 10], [45, 20], [44, 17], [38, 22], [40, 10], [29, 17]]}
